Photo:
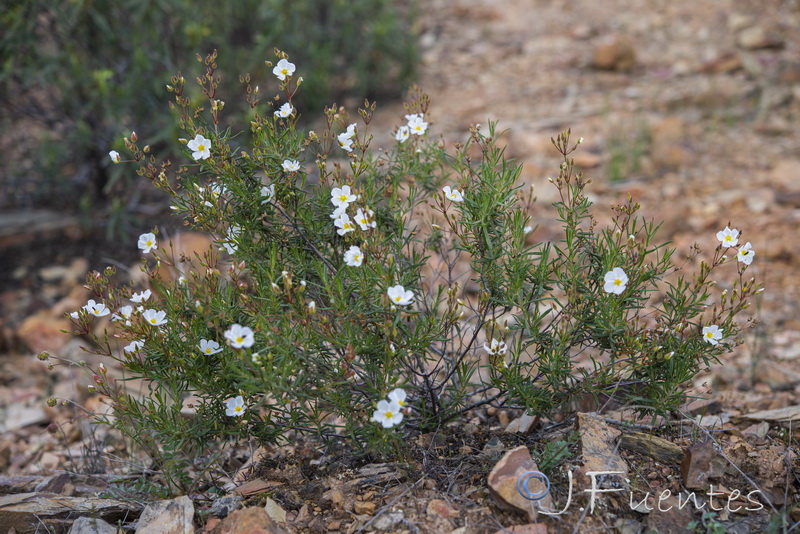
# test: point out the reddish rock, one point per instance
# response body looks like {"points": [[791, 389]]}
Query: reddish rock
{"points": [[253, 520], [442, 509], [616, 54], [42, 331], [504, 477], [701, 462]]}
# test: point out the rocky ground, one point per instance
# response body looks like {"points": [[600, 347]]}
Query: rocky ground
{"points": [[691, 106]]}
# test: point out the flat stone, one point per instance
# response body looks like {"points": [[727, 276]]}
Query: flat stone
{"points": [[29, 512], [598, 450], [523, 424], [438, 507], [530, 528], [274, 511], [91, 525], [173, 516], [659, 449], [389, 521], [225, 505], [667, 518], [505, 476]]}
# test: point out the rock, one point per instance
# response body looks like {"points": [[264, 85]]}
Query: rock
{"points": [[779, 415], [530, 528], [389, 520], [504, 477], [256, 486], [275, 512], [628, 526], [174, 516], [31, 226], [438, 507], [89, 525], [43, 331], [523, 424], [364, 507], [587, 160], [757, 37], [18, 415], [701, 462], [598, 449], [223, 506], [494, 447], [29, 512], [252, 520], [666, 137], [757, 430], [616, 53], [667, 518], [703, 406], [659, 449]]}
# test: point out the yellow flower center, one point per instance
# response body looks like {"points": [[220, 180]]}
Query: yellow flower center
{"points": [[398, 299], [153, 320], [357, 257], [237, 409], [284, 71], [389, 415], [201, 147], [727, 238], [239, 339], [617, 282], [343, 198]]}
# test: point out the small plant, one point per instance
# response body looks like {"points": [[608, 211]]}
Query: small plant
{"points": [[369, 296]]}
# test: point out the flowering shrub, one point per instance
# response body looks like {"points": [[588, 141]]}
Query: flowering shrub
{"points": [[371, 295]]}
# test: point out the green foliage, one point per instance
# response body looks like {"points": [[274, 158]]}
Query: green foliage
{"points": [[491, 317], [79, 75]]}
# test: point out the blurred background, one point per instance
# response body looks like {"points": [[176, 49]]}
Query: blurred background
{"points": [[691, 106]]}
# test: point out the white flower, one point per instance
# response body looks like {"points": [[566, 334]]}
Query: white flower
{"points": [[230, 244], [615, 281], [712, 334], [240, 337], [416, 124], [125, 313], [140, 297], [398, 396], [365, 220], [134, 346], [235, 407], [98, 309], [147, 242], [402, 133], [527, 229], [388, 414], [200, 147], [399, 295], [154, 317], [353, 257], [267, 193], [746, 253], [338, 212], [114, 155], [75, 315], [343, 224], [728, 237], [290, 165], [209, 347], [341, 197], [350, 132], [283, 69], [284, 111], [496, 348], [453, 194], [182, 280], [312, 307], [345, 142]]}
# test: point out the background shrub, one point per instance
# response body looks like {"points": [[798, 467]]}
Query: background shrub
{"points": [[77, 75]]}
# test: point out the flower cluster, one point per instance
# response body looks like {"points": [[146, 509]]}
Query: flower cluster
{"points": [[730, 238], [416, 126], [341, 198], [389, 412]]}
